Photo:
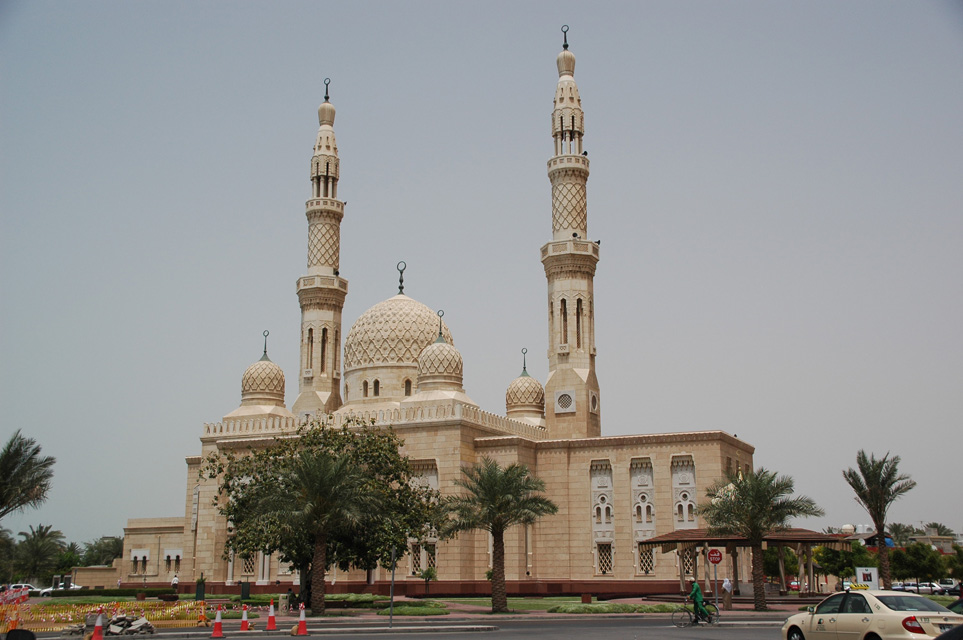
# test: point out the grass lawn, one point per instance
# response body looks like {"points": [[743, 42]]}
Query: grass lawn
{"points": [[519, 604]]}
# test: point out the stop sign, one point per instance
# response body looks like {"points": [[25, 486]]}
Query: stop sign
{"points": [[715, 556]]}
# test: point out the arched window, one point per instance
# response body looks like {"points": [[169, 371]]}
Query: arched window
{"points": [[309, 360], [564, 314], [324, 348], [407, 387], [578, 323], [364, 389], [377, 388]]}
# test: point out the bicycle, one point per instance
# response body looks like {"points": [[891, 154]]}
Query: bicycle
{"points": [[685, 615]]}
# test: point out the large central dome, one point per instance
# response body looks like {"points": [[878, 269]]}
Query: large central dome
{"points": [[392, 332]]}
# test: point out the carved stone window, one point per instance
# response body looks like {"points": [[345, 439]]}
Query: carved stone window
{"points": [[604, 552], [646, 559]]}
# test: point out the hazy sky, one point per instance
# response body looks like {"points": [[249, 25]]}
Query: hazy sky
{"points": [[778, 187]]}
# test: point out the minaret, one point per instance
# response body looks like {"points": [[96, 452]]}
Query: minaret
{"points": [[322, 291], [572, 391]]}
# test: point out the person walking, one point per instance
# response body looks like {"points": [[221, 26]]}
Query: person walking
{"points": [[701, 613], [174, 581]]}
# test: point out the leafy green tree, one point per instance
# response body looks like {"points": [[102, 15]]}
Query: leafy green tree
{"points": [[877, 484], [842, 564], [940, 528], [251, 482], [25, 475], [918, 560], [954, 563], [900, 533], [102, 551], [753, 506], [36, 554], [7, 546], [497, 498]]}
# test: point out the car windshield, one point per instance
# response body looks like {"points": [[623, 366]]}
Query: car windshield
{"points": [[911, 603]]}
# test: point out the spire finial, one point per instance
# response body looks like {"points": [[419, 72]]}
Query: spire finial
{"points": [[265, 334], [327, 81], [441, 314], [565, 36], [524, 362], [401, 276]]}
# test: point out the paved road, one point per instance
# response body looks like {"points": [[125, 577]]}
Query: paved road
{"points": [[581, 628]]}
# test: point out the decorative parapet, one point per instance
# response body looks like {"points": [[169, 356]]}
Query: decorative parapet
{"points": [[455, 411], [251, 426]]}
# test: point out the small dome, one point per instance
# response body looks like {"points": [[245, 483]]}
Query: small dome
{"points": [[392, 332], [565, 63], [524, 392], [440, 362], [326, 113], [263, 383]]}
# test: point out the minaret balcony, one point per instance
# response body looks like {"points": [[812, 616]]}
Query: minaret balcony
{"points": [[322, 282], [569, 162], [574, 246], [328, 204]]}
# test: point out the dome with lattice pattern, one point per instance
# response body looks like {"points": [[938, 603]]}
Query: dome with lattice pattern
{"points": [[524, 391], [440, 365], [263, 383], [392, 332]]}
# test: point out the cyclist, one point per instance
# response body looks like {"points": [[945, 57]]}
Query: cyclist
{"points": [[701, 613]]}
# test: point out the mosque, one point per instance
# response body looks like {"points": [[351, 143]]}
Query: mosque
{"points": [[400, 367]]}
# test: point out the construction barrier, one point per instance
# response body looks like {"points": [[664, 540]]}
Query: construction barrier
{"points": [[57, 617]]}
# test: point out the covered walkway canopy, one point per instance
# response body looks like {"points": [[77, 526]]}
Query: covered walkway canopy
{"points": [[689, 542]]}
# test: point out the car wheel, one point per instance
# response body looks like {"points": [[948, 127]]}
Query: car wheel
{"points": [[795, 634]]}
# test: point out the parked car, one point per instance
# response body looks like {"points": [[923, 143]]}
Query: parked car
{"points": [[927, 588], [877, 614], [954, 590], [23, 585], [45, 593]]}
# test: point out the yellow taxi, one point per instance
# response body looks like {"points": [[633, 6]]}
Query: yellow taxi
{"points": [[871, 615]]}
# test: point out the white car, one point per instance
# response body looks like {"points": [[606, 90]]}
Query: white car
{"points": [[45, 593], [24, 585], [876, 615]]}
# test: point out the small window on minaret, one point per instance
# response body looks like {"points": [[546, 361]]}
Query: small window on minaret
{"points": [[407, 387], [578, 323], [564, 314], [377, 388], [324, 348], [364, 389], [309, 362]]}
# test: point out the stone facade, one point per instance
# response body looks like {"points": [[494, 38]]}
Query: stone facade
{"points": [[401, 368]]}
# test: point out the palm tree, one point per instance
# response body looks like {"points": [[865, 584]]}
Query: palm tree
{"points": [[24, 475], [331, 494], [102, 551], [497, 498], [878, 484], [35, 556], [753, 506], [900, 533]]}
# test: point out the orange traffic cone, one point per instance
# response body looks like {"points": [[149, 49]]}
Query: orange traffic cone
{"points": [[302, 624], [272, 623], [244, 624], [99, 626], [218, 630]]}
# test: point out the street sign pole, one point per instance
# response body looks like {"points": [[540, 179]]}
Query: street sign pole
{"points": [[715, 578]]}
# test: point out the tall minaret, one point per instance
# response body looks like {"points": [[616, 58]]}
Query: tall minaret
{"points": [[572, 391], [322, 291]]}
